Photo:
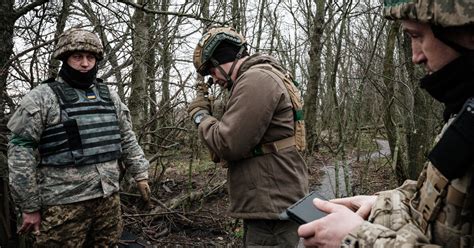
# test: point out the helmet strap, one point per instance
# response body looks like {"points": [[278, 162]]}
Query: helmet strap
{"points": [[228, 76], [228, 79], [238, 56]]}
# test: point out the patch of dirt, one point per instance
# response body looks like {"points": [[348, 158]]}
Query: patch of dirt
{"points": [[202, 221], [369, 178]]}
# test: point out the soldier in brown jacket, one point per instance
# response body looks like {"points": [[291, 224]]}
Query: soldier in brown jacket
{"points": [[256, 136], [437, 209]]}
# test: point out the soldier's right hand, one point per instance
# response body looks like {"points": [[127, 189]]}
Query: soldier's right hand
{"points": [[31, 223], [329, 230], [360, 204]]}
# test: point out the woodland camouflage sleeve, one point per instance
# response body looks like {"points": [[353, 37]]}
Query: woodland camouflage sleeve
{"points": [[132, 154], [26, 126], [375, 235], [390, 223]]}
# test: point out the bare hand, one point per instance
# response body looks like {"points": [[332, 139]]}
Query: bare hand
{"points": [[145, 192], [331, 229], [31, 222], [361, 204]]}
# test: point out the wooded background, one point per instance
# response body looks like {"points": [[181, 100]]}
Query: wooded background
{"points": [[353, 67]]}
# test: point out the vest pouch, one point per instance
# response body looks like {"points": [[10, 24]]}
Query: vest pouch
{"points": [[74, 140], [391, 208], [61, 145]]}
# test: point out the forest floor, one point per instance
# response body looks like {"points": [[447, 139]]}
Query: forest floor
{"points": [[200, 219]]}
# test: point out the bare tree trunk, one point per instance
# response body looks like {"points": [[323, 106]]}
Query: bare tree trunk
{"points": [[7, 22], [60, 25], [151, 75], [391, 126], [166, 59], [261, 11], [419, 123], [8, 17], [314, 69], [136, 102], [236, 20]]}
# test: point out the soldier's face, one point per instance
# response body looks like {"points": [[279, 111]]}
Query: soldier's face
{"points": [[82, 61], [426, 48]]}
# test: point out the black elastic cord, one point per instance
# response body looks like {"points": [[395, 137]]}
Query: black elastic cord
{"points": [[215, 63], [228, 76]]}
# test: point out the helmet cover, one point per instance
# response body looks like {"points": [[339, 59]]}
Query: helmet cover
{"points": [[76, 39]]}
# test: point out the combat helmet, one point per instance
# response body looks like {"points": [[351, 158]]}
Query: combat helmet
{"points": [[442, 13], [76, 39], [206, 46], [446, 17]]}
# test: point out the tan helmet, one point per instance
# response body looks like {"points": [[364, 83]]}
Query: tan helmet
{"points": [[208, 43], [76, 39], [445, 13]]}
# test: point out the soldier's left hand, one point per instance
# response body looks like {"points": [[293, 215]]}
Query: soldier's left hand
{"points": [[145, 191], [31, 223], [200, 103]]}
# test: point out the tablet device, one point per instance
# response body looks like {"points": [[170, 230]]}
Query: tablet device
{"points": [[304, 211]]}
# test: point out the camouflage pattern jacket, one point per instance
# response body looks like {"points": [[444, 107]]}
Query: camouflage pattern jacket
{"points": [[430, 212], [33, 186]]}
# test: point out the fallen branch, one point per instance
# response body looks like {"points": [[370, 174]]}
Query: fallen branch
{"points": [[197, 195], [156, 209]]}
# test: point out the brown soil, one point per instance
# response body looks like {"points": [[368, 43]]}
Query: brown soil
{"points": [[203, 222]]}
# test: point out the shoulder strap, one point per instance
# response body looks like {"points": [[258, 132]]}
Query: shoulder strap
{"points": [[103, 90], [295, 98], [63, 91], [49, 80], [290, 85]]}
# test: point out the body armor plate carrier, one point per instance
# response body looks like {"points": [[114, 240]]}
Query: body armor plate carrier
{"points": [[88, 131]]}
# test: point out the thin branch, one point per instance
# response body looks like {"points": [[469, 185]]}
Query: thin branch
{"points": [[22, 11], [144, 9], [11, 60]]}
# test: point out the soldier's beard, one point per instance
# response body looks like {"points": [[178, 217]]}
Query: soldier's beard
{"points": [[76, 78]]}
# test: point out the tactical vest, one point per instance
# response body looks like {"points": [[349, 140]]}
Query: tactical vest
{"points": [[299, 139], [443, 204], [88, 131]]}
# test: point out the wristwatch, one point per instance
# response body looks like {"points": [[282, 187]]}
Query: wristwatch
{"points": [[198, 118]]}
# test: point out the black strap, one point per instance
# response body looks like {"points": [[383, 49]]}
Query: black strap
{"points": [[64, 92], [453, 154], [104, 92]]}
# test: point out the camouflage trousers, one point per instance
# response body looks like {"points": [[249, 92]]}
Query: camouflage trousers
{"points": [[91, 223], [270, 233]]}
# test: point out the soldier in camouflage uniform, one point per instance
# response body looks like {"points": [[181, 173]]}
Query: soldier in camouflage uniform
{"points": [[437, 209], [68, 135]]}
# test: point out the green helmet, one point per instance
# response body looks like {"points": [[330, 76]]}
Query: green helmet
{"points": [[445, 13], [208, 44], [76, 39]]}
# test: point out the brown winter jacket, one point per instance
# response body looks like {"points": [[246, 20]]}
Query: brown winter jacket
{"points": [[259, 111]]}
